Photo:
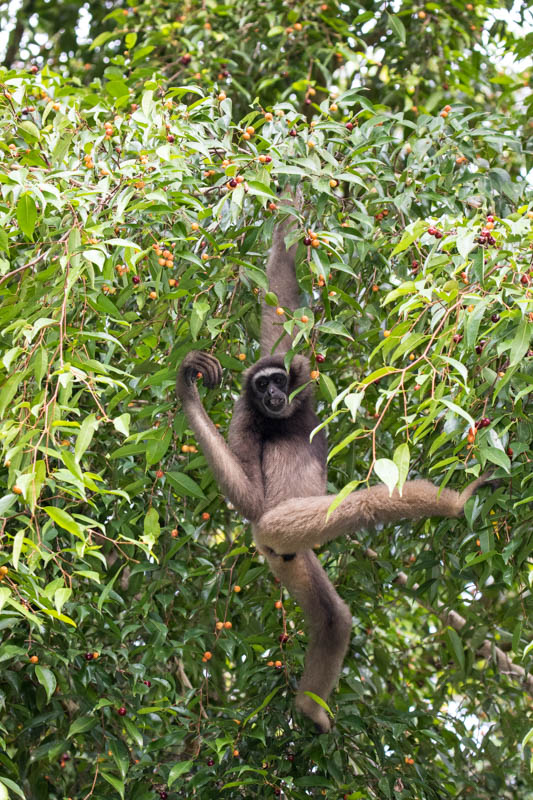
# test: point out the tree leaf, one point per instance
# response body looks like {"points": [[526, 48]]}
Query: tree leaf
{"points": [[26, 214], [47, 679], [387, 472], [401, 458], [177, 771], [184, 485], [85, 435]]}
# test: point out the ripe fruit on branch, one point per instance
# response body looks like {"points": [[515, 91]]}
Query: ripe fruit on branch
{"points": [[122, 711]]}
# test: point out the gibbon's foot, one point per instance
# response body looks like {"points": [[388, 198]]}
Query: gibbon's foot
{"points": [[472, 488], [196, 365], [312, 710]]}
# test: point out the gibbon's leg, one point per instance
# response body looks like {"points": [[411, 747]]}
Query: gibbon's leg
{"points": [[330, 624], [302, 523], [282, 281]]}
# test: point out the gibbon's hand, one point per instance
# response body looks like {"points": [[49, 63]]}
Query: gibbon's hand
{"points": [[194, 366]]}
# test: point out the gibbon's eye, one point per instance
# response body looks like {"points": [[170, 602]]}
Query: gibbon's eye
{"points": [[262, 384], [280, 380]]}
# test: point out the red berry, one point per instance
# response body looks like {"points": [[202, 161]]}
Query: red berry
{"points": [[490, 218], [438, 234], [89, 656], [432, 231], [136, 280], [186, 59], [268, 159], [293, 132], [147, 683], [122, 711], [349, 126], [163, 795], [170, 138], [524, 280], [283, 637], [320, 357], [495, 318], [457, 337], [290, 757], [232, 183], [210, 762], [34, 68], [307, 241], [484, 422], [509, 452]]}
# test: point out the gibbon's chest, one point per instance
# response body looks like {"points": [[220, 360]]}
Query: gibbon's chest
{"points": [[291, 467]]}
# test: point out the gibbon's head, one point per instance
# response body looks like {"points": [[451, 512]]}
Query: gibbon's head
{"points": [[268, 386]]}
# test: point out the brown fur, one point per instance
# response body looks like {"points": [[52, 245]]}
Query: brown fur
{"points": [[276, 478]]}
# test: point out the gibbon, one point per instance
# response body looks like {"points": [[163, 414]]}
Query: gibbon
{"points": [[276, 478]]}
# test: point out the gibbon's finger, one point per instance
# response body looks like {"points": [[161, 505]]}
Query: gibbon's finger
{"points": [[209, 369]]}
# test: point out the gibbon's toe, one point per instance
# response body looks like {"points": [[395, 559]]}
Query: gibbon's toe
{"points": [[314, 712]]}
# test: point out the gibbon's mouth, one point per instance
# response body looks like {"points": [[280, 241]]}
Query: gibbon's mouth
{"points": [[274, 405]]}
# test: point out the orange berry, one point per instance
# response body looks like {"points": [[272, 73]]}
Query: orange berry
{"points": [[386, 333], [315, 243], [161, 262], [242, 356], [236, 753], [279, 312], [208, 655], [278, 664], [444, 114], [194, 226], [297, 26], [153, 295], [174, 533], [237, 588], [205, 256], [246, 136], [228, 625], [160, 473], [278, 604], [470, 308], [17, 490], [172, 282], [221, 96], [411, 357], [422, 15], [262, 159], [530, 214], [270, 663], [184, 448], [447, 108], [333, 183], [219, 626], [375, 288], [34, 659], [334, 107], [268, 116], [272, 206], [251, 130], [304, 319], [96, 654], [206, 515], [314, 374], [489, 225]]}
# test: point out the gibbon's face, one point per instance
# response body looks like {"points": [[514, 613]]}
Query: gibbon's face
{"points": [[271, 390]]}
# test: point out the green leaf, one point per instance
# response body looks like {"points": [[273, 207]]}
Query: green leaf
{"points": [[401, 458], [5, 594], [122, 424], [156, 448], [17, 547], [398, 27], [26, 214], [9, 390], [134, 732], [47, 679], [521, 341], [151, 523], [81, 725], [261, 189], [85, 435], [387, 472], [64, 520], [178, 770], [184, 485], [14, 787], [456, 647], [260, 707], [117, 784], [461, 412], [496, 456], [61, 596]]}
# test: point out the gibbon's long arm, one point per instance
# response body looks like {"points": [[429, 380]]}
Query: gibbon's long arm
{"points": [[282, 281], [245, 490], [301, 523]]}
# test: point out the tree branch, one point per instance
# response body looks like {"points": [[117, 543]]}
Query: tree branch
{"points": [[487, 649]]}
